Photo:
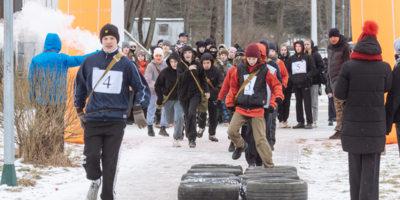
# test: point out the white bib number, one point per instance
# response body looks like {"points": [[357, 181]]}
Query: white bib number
{"points": [[249, 88], [111, 83], [299, 67]]}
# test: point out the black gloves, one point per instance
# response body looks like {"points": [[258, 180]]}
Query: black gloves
{"points": [[232, 109], [271, 109], [278, 100], [218, 103]]}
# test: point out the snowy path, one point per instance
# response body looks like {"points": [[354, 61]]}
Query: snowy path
{"points": [[150, 168]]}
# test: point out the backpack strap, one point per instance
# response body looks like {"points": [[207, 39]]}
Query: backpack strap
{"points": [[198, 85], [251, 76], [170, 92], [209, 82]]}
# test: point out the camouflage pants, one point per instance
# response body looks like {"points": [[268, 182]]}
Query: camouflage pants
{"points": [[339, 111]]}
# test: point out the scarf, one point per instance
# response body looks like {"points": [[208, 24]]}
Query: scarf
{"points": [[360, 56]]}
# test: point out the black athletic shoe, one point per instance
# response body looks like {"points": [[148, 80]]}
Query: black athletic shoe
{"points": [[336, 136], [251, 165], [330, 123], [129, 122], [231, 147], [150, 131], [163, 132], [334, 119], [192, 144], [308, 126], [238, 151], [299, 125], [213, 138], [200, 132]]}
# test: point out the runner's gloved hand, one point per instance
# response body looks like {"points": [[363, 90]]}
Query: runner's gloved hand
{"points": [[82, 117], [232, 109], [278, 100], [138, 114], [159, 101], [271, 109], [218, 103]]}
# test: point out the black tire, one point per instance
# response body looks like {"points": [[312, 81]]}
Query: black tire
{"points": [[236, 172], [272, 185], [271, 194], [277, 198], [211, 191], [217, 166], [207, 175], [268, 176], [260, 168], [270, 170]]}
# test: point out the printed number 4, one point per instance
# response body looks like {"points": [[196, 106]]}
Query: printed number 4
{"points": [[107, 82]]}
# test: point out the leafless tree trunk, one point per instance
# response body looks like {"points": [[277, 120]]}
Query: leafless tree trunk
{"points": [[131, 7], [140, 21], [279, 22], [214, 17], [155, 6], [250, 10]]}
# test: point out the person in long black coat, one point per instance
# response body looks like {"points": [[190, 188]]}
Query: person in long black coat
{"points": [[362, 84]]}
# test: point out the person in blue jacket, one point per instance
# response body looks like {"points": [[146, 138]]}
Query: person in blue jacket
{"points": [[47, 78], [105, 118]]}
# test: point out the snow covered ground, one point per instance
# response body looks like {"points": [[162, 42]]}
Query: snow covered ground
{"points": [[151, 168]]}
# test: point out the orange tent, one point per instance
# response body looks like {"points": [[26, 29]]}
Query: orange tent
{"points": [[387, 14]]}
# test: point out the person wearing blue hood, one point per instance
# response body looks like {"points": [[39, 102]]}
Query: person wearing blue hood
{"points": [[47, 78]]}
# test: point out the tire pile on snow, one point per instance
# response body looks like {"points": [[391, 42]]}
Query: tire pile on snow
{"points": [[227, 182]]}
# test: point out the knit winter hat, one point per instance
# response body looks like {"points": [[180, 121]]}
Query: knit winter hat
{"points": [[201, 44], [397, 46], [232, 49], [273, 46], [210, 41], [239, 52], [370, 28], [166, 42], [158, 51], [214, 47], [141, 52], [109, 29], [253, 51], [334, 32], [207, 56], [160, 41], [132, 43], [224, 51], [125, 44]]}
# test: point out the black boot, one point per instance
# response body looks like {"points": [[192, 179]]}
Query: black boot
{"points": [[308, 126], [163, 132], [192, 144], [336, 136], [213, 138], [200, 132], [231, 147], [238, 151], [299, 125], [150, 131], [330, 123]]}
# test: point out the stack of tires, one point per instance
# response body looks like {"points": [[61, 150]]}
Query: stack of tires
{"points": [[279, 183], [211, 182]]}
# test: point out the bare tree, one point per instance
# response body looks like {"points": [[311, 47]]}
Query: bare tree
{"points": [[140, 21], [131, 6], [214, 17], [155, 6], [279, 22]]}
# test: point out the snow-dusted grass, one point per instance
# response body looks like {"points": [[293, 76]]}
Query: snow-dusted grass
{"points": [[324, 166]]}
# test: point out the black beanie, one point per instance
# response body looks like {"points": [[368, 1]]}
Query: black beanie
{"points": [[109, 29], [273, 46], [207, 56], [334, 32], [239, 52]]}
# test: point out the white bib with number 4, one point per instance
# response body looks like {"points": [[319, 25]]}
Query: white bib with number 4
{"points": [[299, 67], [111, 83]]}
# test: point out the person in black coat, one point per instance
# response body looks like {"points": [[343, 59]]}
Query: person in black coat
{"points": [[312, 50], [201, 49], [166, 84], [188, 90], [362, 84], [214, 79], [284, 109], [393, 97], [301, 68]]}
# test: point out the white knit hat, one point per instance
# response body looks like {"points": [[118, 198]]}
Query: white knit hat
{"points": [[132, 43], [158, 51]]}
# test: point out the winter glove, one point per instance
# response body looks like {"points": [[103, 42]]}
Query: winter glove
{"points": [[271, 109], [140, 120], [278, 100], [218, 103], [82, 117], [232, 109], [159, 101]]}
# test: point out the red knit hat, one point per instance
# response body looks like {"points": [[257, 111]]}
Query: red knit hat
{"points": [[253, 51], [370, 28]]}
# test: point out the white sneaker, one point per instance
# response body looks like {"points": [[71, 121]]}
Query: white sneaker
{"points": [[176, 143], [314, 125], [286, 125], [281, 125], [93, 190]]}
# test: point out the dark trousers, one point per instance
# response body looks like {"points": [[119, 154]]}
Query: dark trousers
{"points": [[190, 109], [284, 108], [364, 176], [331, 109], [213, 122], [303, 94], [271, 126], [103, 141], [252, 156]]}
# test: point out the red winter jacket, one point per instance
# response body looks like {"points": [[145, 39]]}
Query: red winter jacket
{"points": [[284, 73], [270, 79], [226, 84]]}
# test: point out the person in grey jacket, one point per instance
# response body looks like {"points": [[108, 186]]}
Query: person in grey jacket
{"points": [[338, 53], [152, 71]]}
